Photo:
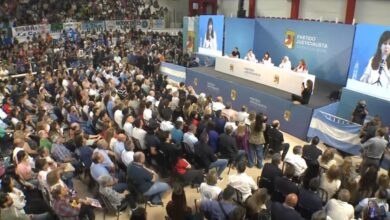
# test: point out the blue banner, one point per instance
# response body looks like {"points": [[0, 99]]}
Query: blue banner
{"points": [[325, 47], [242, 39], [295, 119]]}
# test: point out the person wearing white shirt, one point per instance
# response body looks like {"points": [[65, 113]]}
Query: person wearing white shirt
{"points": [[267, 59], [243, 114], [128, 154], [339, 208], [151, 98], [296, 160], [285, 64], [302, 67], [139, 133], [118, 116], [242, 182], [189, 137], [119, 146], [209, 190], [147, 114], [218, 104], [166, 125], [250, 56], [128, 126], [210, 38]]}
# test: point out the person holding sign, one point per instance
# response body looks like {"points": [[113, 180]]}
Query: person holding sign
{"points": [[377, 71], [210, 40]]}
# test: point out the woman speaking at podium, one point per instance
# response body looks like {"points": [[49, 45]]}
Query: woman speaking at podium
{"points": [[305, 94], [377, 71]]}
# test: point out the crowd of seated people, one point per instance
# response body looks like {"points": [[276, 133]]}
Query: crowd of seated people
{"points": [[27, 12], [126, 127]]}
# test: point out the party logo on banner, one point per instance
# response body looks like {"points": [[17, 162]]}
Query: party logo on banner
{"points": [[233, 94], [289, 39]]}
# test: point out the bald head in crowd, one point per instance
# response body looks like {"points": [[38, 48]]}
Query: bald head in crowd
{"points": [[291, 200], [139, 157]]}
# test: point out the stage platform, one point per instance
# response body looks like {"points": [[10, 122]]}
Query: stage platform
{"points": [[295, 119]]}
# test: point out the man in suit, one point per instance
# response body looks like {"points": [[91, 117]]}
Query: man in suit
{"points": [[309, 201], [270, 172], [276, 139], [283, 185], [286, 210], [312, 152], [227, 146]]}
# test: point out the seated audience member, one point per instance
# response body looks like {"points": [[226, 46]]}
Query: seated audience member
{"points": [[127, 154], [340, 208], [116, 199], [66, 207], [270, 172], [27, 201], [286, 210], [206, 158], [209, 189], [250, 56], [296, 160], [146, 180], [267, 59], [119, 146], [227, 146], [276, 139], [301, 68], [169, 149], [104, 151], [256, 204], [10, 211], [330, 181], [285, 64], [189, 137], [305, 93], [83, 151], [177, 208], [309, 199], [221, 209], [24, 170], [242, 182], [212, 135], [327, 160], [283, 185], [177, 132], [139, 133], [186, 172], [235, 53], [61, 154], [98, 170]]}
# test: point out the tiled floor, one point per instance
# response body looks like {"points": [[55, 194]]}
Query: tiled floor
{"points": [[157, 213]]}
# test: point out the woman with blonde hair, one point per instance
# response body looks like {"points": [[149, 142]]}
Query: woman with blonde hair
{"points": [[327, 160], [330, 181], [242, 137]]}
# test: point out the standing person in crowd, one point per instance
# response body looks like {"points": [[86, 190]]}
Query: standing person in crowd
{"points": [[373, 149], [276, 139], [256, 142], [330, 181], [340, 208]]}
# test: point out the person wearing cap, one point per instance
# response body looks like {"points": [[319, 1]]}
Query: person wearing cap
{"points": [[360, 112]]}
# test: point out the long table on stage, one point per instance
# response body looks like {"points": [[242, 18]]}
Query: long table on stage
{"points": [[269, 75]]}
